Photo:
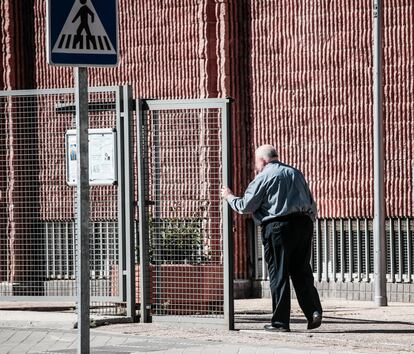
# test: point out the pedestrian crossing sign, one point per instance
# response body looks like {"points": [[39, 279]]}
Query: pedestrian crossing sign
{"points": [[82, 32]]}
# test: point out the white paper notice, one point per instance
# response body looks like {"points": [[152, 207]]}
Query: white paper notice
{"points": [[72, 157], [101, 157]]}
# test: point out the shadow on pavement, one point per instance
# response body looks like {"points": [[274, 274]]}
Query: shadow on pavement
{"points": [[331, 321]]}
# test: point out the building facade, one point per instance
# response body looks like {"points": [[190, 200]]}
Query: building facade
{"points": [[300, 74]]}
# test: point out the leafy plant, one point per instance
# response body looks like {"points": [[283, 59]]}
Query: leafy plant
{"points": [[176, 241]]}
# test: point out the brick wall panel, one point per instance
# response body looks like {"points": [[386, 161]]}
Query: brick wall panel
{"points": [[300, 73], [312, 95]]}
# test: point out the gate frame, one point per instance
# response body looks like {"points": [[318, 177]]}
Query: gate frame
{"points": [[122, 107], [143, 106]]}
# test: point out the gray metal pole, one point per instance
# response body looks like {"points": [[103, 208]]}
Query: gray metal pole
{"points": [[82, 210], [144, 276], [380, 280], [227, 220], [129, 203]]}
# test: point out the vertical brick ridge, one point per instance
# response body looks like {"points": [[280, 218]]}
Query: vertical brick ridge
{"points": [[18, 62], [233, 79], [2, 44], [208, 60], [224, 35], [10, 61], [4, 246], [8, 47], [17, 29]]}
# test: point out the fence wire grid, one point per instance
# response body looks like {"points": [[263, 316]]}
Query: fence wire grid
{"points": [[37, 206], [185, 212]]}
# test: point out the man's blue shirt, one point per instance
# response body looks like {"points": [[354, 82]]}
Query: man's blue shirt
{"points": [[278, 190]]}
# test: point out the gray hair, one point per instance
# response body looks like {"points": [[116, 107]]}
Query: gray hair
{"points": [[266, 152]]}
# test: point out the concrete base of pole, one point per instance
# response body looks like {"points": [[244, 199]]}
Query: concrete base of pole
{"points": [[380, 301]]}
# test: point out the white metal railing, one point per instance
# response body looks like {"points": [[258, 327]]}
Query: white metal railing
{"points": [[61, 249], [343, 251]]}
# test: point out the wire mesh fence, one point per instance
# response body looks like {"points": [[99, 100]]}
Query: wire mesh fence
{"points": [[183, 157], [187, 237], [37, 205]]}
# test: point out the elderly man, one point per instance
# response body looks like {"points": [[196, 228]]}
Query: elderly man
{"points": [[282, 204]]}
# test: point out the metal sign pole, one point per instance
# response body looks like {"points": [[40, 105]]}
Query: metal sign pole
{"points": [[82, 212], [380, 280], [66, 25]]}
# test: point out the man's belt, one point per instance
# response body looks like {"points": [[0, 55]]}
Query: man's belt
{"points": [[282, 218]]}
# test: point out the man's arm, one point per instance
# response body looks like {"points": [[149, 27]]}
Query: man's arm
{"points": [[314, 210], [251, 200]]}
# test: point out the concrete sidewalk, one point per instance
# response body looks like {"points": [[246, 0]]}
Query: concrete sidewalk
{"points": [[36, 341], [348, 326], [356, 327]]}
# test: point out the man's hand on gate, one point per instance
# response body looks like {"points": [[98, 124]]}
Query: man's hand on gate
{"points": [[226, 192]]}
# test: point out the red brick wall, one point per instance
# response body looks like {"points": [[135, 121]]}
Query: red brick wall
{"points": [[17, 43], [167, 50], [300, 73], [16, 72], [182, 49], [311, 92]]}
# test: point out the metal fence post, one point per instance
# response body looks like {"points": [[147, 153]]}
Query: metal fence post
{"points": [[129, 204], [144, 276], [359, 248], [121, 191], [367, 251], [227, 220], [380, 280], [342, 249], [156, 221], [350, 252], [334, 251], [409, 250], [82, 209], [326, 254], [318, 251]]}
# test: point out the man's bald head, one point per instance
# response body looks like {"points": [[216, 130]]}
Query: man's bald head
{"points": [[265, 154]]}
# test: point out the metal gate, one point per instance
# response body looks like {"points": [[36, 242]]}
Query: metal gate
{"points": [[186, 266], [37, 205]]}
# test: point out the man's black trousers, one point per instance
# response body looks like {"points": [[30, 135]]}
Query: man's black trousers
{"points": [[288, 244]]}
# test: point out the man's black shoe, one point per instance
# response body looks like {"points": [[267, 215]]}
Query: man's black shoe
{"points": [[271, 328], [316, 320]]}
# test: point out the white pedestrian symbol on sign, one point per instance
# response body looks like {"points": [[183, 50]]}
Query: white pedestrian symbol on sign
{"points": [[83, 32]]}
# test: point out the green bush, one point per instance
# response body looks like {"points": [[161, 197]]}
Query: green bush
{"points": [[176, 241]]}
